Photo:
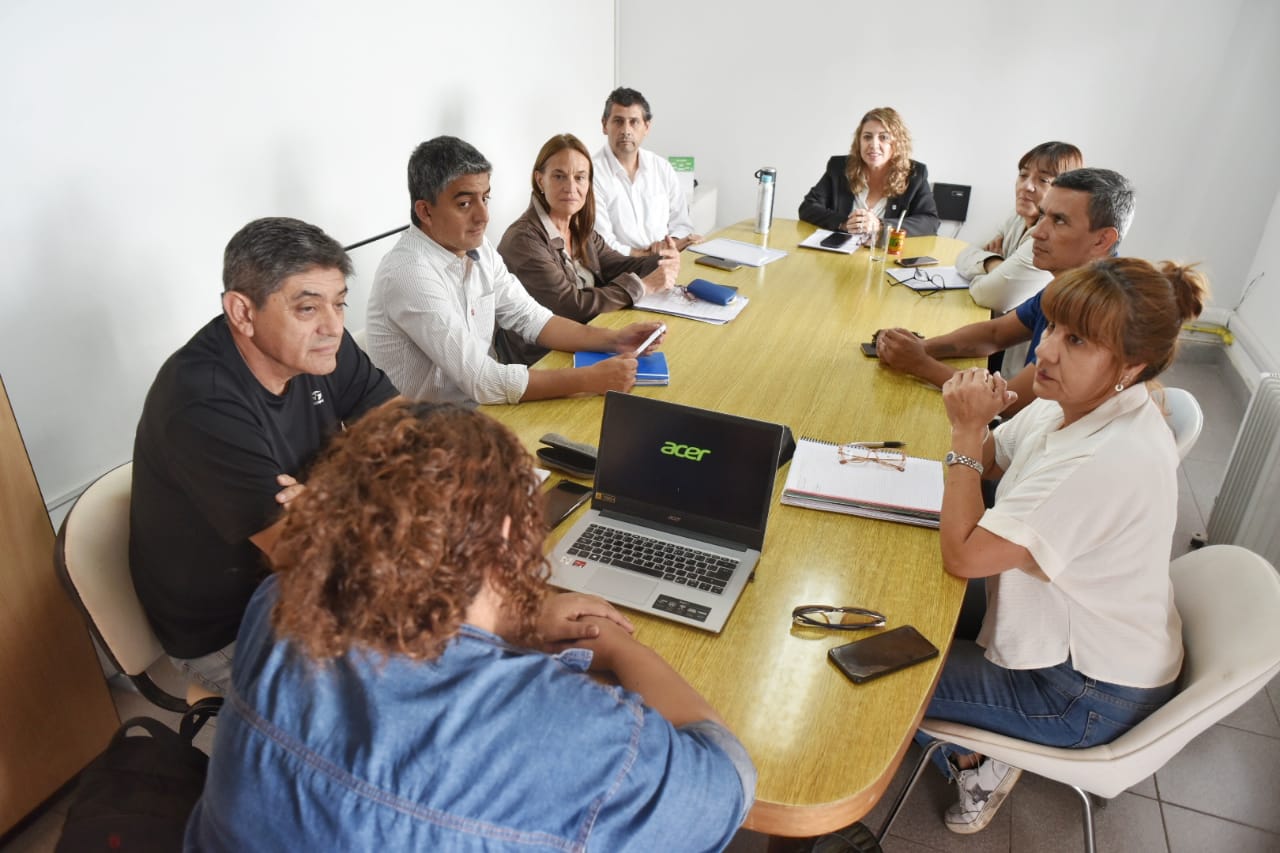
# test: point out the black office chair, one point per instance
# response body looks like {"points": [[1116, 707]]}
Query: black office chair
{"points": [[953, 203]]}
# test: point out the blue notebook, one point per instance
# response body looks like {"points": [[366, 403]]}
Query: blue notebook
{"points": [[651, 369]]}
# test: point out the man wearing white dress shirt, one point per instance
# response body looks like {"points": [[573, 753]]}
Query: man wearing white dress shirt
{"points": [[639, 202], [442, 290]]}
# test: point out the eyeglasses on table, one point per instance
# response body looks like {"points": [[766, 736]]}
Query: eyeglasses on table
{"points": [[921, 282], [834, 618], [855, 453]]}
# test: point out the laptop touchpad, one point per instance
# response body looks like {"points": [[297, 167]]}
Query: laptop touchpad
{"points": [[622, 586]]}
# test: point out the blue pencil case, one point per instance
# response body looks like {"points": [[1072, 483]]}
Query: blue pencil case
{"points": [[709, 291]]}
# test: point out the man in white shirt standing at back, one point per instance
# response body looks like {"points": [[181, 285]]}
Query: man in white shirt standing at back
{"points": [[639, 202]]}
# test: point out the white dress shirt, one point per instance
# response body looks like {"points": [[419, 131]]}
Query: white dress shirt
{"points": [[431, 319], [636, 214], [1095, 503]]}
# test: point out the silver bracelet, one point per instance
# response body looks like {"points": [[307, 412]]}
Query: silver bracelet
{"points": [[953, 458]]}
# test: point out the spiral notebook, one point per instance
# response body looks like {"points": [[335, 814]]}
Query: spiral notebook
{"points": [[819, 480]]}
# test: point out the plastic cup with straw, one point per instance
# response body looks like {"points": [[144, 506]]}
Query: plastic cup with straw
{"points": [[897, 237]]}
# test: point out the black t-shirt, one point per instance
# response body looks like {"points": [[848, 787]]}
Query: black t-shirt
{"points": [[210, 443]]}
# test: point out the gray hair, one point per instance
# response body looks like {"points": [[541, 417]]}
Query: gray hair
{"points": [[265, 252], [624, 97], [437, 163], [1110, 197]]}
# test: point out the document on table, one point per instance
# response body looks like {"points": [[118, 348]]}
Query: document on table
{"points": [[939, 278], [814, 241], [818, 479], [679, 303], [738, 251]]}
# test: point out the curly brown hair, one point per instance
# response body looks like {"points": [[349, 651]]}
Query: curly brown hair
{"points": [[400, 525], [895, 182]]}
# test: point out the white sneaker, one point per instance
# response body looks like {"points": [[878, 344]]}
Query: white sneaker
{"points": [[982, 790]]}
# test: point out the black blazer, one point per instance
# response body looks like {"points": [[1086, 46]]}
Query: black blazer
{"points": [[830, 201]]}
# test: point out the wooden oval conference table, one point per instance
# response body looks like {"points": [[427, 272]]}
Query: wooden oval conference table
{"points": [[825, 748]]}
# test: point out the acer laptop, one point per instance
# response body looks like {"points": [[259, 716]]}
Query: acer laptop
{"points": [[678, 515]]}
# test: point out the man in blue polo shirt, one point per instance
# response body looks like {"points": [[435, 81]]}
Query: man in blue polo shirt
{"points": [[1083, 217]]}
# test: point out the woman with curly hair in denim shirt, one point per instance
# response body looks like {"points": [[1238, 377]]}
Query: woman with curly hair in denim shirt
{"points": [[404, 680]]}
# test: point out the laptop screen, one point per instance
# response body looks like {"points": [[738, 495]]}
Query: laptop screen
{"points": [[688, 469]]}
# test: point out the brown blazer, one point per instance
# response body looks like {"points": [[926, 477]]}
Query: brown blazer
{"points": [[540, 262]]}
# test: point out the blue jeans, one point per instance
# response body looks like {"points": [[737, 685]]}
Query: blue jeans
{"points": [[1055, 706], [213, 670]]}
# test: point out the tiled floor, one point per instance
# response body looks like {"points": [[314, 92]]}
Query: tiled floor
{"points": [[1222, 793]]}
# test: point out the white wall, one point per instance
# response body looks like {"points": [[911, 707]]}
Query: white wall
{"points": [[1177, 95], [139, 137], [1255, 323]]}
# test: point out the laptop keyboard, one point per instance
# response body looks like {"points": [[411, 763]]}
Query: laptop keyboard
{"points": [[653, 557]]}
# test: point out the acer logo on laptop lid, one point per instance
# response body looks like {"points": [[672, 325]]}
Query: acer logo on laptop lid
{"points": [[684, 451]]}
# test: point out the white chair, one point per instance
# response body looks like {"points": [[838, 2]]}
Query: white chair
{"points": [[1183, 415], [92, 558], [1228, 598]]}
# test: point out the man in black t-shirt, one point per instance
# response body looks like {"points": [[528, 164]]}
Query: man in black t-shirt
{"points": [[228, 429]]}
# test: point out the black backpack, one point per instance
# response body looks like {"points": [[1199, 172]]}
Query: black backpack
{"points": [[137, 795]]}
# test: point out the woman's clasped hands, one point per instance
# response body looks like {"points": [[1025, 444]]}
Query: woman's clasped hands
{"points": [[975, 396]]}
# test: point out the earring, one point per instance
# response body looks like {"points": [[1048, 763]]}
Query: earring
{"points": [[1119, 387]]}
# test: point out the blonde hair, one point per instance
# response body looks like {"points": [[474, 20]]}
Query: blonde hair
{"points": [[899, 164]]}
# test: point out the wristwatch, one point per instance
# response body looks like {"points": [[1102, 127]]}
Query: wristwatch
{"points": [[953, 458]]}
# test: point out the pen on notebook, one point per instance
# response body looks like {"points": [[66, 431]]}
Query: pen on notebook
{"points": [[649, 340], [887, 445]]}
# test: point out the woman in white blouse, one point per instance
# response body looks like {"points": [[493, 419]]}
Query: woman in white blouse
{"points": [[1081, 639], [1000, 272]]}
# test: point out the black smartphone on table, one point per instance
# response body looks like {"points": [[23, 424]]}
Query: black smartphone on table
{"points": [[917, 261], [869, 348], [836, 239], [561, 500], [863, 660]]}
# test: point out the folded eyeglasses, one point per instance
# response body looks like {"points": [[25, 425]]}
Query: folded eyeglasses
{"points": [[836, 618]]}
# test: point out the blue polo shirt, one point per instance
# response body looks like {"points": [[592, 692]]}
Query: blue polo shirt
{"points": [[1030, 315]]}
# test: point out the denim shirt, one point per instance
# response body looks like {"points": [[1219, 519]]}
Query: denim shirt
{"points": [[489, 747]]}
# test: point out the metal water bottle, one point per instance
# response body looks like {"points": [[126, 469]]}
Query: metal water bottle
{"points": [[764, 198]]}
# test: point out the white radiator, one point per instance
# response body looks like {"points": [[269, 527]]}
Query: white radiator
{"points": [[1247, 510]]}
